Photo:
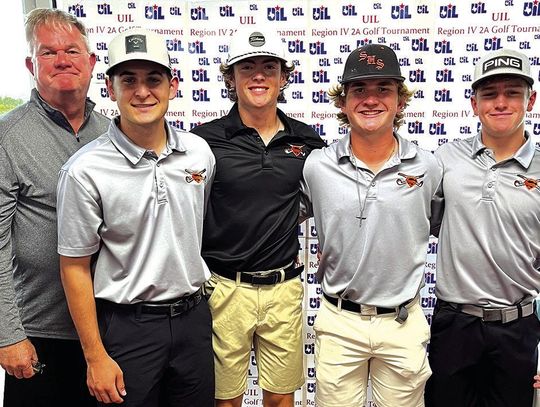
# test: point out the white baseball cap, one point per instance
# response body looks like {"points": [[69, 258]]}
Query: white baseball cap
{"points": [[248, 42], [503, 62], [138, 44]]}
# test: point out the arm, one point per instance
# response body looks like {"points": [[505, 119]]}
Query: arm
{"points": [[104, 376], [211, 173], [437, 212], [17, 354], [437, 205], [306, 207]]}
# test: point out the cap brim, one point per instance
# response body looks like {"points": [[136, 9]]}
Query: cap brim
{"points": [[374, 76], [527, 79], [141, 57], [239, 58]]}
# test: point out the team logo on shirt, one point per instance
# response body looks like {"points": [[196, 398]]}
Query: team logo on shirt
{"points": [[410, 180], [296, 150], [529, 183], [195, 176]]}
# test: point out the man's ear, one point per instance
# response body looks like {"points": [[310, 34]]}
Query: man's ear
{"points": [[532, 99], [173, 87], [110, 88], [29, 65], [474, 105]]}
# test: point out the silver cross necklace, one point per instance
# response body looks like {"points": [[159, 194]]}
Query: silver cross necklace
{"points": [[362, 202]]}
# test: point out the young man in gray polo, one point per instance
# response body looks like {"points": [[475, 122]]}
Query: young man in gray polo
{"points": [[135, 199], [371, 194], [484, 333]]}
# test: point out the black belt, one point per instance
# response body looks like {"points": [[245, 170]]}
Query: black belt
{"points": [[504, 315], [172, 308], [263, 278], [401, 311], [354, 307]]}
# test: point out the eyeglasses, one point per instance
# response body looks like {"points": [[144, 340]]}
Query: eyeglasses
{"points": [[71, 54]]}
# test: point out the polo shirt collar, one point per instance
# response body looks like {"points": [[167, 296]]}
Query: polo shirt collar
{"points": [[174, 141], [235, 126], [523, 156], [406, 149], [135, 153], [56, 115], [477, 145]]}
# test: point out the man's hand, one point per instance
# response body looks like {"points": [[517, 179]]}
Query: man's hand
{"points": [[17, 359], [536, 383], [105, 380]]}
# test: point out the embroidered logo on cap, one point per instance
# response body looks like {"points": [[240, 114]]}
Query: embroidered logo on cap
{"points": [[502, 62], [296, 150], [197, 176], [256, 39], [371, 60], [529, 183], [135, 43], [410, 180]]}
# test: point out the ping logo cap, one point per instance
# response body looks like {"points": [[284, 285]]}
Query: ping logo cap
{"points": [[502, 62]]}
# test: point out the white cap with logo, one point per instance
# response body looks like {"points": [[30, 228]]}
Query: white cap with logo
{"points": [[503, 62], [255, 42], [138, 44]]}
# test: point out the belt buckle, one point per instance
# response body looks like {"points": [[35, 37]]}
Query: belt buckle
{"points": [[368, 310], [265, 279], [509, 314], [178, 308], [491, 315]]}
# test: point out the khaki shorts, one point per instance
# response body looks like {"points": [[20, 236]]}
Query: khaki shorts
{"points": [[267, 317], [350, 347]]}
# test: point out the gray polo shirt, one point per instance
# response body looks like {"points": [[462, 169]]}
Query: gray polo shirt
{"points": [[382, 262], [143, 213], [489, 244], [35, 141]]}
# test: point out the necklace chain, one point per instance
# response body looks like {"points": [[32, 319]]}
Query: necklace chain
{"points": [[273, 132], [362, 202]]}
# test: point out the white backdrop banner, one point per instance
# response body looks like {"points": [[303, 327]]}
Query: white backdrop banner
{"points": [[437, 42]]}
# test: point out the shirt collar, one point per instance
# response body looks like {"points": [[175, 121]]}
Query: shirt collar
{"points": [[406, 149], [56, 115], [523, 155], [235, 127], [135, 153], [477, 145]]}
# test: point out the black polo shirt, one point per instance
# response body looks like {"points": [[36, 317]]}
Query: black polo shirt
{"points": [[252, 216]]}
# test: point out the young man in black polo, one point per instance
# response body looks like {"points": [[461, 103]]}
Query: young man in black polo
{"points": [[250, 238]]}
